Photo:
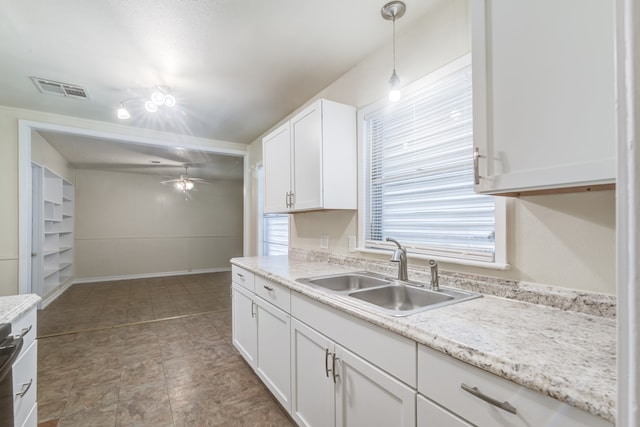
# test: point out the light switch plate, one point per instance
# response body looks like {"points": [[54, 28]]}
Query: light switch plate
{"points": [[324, 241]]}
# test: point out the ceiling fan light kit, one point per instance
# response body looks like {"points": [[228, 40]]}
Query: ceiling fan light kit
{"points": [[184, 183]]}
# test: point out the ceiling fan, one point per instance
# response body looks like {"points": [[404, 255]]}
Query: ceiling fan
{"points": [[185, 183]]}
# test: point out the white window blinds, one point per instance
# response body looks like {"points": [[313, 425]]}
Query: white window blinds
{"points": [[420, 175], [275, 234]]}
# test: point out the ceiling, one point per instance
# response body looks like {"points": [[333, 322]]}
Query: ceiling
{"points": [[168, 162], [236, 67]]}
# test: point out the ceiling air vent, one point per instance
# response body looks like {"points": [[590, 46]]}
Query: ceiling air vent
{"points": [[61, 89]]}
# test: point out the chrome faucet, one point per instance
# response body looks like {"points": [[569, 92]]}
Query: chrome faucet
{"points": [[400, 256], [435, 281]]}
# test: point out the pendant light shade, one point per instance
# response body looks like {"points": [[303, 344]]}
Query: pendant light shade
{"points": [[392, 11]]}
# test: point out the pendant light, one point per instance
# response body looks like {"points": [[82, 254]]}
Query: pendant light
{"points": [[392, 11]]}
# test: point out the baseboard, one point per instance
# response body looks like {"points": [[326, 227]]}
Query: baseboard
{"points": [[148, 275], [44, 302]]}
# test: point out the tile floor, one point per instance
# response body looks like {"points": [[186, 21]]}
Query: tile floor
{"points": [[149, 352]]}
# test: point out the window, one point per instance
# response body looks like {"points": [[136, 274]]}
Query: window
{"points": [[418, 176], [273, 229]]}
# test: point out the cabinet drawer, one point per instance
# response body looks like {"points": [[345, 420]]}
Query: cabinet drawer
{"points": [[276, 294], [389, 351], [26, 327], [25, 384], [440, 378], [431, 415], [242, 277], [32, 418]]}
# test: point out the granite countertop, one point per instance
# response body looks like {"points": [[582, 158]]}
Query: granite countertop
{"points": [[14, 306], [568, 355]]}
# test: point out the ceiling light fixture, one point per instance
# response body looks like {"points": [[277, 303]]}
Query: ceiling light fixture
{"points": [[159, 97], [392, 11], [123, 113]]}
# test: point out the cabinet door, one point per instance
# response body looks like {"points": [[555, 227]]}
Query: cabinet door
{"points": [[312, 385], [244, 323], [306, 137], [543, 94], [367, 396], [276, 156], [274, 351], [431, 415]]}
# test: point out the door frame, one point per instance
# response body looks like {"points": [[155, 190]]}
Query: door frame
{"points": [[25, 212]]}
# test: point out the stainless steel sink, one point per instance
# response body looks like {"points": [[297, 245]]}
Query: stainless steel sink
{"points": [[404, 300], [387, 295], [347, 282], [401, 298]]}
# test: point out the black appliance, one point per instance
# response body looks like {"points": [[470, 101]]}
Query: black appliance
{"points": [[9, 350]]}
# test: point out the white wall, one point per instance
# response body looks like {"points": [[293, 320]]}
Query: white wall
{"points": [[562, 240], [44, 154], [131, 224]]}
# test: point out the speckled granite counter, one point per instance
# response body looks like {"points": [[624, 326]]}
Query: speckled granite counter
{"points": [[14, 306], [564, 354]]}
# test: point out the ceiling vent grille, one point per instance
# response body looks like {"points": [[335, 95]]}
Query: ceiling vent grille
{"points": [[60, 89]]}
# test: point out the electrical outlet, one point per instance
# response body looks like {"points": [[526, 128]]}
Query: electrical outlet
{"points": [[324, 241]]}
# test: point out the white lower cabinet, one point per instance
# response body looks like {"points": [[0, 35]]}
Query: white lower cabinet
{"points": [[243, 323], [25, 377], [312, 396], [333, 386], [272, 362], [484, 399], [261, 333], [430, 414], [367, 396]]}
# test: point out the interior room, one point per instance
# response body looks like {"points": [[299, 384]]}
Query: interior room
{"points": [[409, 213]]}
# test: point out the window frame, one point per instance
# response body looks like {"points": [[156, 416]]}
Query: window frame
{"points": [[500, 255], [259, 169]]}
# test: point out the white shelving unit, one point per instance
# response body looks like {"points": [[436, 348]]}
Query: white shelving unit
{"points": [[57, 234]]}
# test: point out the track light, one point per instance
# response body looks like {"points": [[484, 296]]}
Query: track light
{"points": [[392, 11]]}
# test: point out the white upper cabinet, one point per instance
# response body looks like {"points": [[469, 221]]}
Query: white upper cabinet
{"points": [[310, 162], [543, 94], [277, 154]]}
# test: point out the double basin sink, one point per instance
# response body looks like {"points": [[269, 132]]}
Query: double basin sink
{"points": [[387, 295]]}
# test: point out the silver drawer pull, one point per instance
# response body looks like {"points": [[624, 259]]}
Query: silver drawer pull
{"points": [[505, 406], [269, 288], [24, 332], [333, 368], [25, 388], [240, 275]]}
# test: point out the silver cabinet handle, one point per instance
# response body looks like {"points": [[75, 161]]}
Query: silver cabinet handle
{"points": [[23, 332], [253, 313], [505, 406], [476, 165], [326, 362], [287, 199], [292, 200], [25, 388], [269, 288], [333, 368], [241, 276]]}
